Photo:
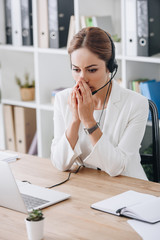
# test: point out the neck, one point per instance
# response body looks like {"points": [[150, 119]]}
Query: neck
{"points": [[100, 96]]}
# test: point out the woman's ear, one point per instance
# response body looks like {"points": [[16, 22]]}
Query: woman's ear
{"points": [[107, 70], [106, 65]]}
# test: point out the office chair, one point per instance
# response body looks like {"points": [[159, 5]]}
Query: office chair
{"points": [[152, 160]]}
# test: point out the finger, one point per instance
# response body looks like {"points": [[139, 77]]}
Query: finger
{"points": [[76, 85], [79, 95], [86, 88], [74, 98], [82, 88], [85, 91]]}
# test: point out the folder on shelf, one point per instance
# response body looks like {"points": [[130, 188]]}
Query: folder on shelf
{"points": [[2, 23], [16, 22], [151, 90], [25, 126], [59, 13], [154, 26], [53, 23], [131, 27], [8, 21], [142, 27], [71, 31], [148, 22], [43, 35], [26, 18], [9, 127]]}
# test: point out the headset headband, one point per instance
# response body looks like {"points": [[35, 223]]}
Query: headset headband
{"points": [[112, 64]]}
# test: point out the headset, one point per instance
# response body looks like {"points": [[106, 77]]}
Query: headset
{"points": [[111, 65]]}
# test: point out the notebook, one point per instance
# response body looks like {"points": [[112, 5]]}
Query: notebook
{"points": [[22, 196], [132, 204]]}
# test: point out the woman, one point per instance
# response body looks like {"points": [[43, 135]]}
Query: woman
{"points": [[97, 123]]}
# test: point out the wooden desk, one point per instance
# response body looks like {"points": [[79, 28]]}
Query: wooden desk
{"points": [[73, 218]]}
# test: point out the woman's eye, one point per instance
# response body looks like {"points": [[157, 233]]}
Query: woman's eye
{"points": [[76, 69], [92, 70]]}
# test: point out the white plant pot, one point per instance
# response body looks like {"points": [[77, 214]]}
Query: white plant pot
{"points": [[35, 230]]}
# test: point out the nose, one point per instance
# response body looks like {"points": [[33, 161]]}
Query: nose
{"points": [[83, 76]]}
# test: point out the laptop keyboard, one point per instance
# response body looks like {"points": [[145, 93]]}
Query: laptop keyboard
{"points": [[32, 202]]}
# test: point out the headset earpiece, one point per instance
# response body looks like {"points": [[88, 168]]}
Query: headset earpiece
{"points": [[112, 64]]}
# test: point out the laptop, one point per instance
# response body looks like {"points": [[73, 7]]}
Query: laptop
{"points": [[22, 196]]}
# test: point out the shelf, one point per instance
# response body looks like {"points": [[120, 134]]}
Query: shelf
{"points": [[47, 106], [153, 59], [61, 51], [30, 104], [18, 49]]}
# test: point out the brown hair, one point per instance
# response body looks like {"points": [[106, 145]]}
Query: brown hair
{"points": [[95, 40]]}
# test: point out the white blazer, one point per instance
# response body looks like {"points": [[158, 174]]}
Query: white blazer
{"points": [[117, 151]]}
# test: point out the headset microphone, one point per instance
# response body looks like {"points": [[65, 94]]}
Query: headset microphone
{"points": [[94, 92]]}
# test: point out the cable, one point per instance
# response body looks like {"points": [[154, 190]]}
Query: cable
{"points": [[112, 76], [26, 181], [55, 185], [77, 170], [104, 103]]}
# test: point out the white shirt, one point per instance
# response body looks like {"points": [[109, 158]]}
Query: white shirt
{"points": [[117, 151]]}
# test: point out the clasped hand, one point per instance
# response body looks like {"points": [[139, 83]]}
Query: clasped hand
{"points": [[81, 103]]}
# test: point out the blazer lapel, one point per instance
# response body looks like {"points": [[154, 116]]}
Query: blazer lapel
{"points": [[114, 106]]}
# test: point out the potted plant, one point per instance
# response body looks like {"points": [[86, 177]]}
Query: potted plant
{"points": [[27, 90], [117, 43], [35, 225]]}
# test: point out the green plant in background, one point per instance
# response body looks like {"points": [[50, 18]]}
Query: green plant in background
{"points": [[26, 84], [116, 38], [35, 215]]}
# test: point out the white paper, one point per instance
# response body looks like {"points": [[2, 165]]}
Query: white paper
{"points": [[8, 157], [146, 211], [146, 230]]}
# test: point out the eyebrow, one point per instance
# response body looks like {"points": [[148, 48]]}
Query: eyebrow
{"points": [[92, 65]]}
